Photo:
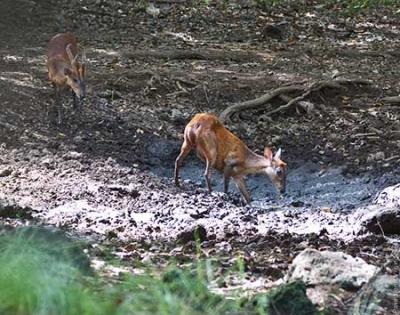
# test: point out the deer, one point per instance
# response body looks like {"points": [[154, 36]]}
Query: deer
{"points": [[64, 70], [222, 150]]}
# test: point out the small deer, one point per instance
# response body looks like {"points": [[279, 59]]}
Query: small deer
{"points": [[222, 150], [64, 71]]}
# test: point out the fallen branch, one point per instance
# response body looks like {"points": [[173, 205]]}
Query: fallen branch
{"points": [[393, 100], [211, 54], [227, 113], [305, 88]]}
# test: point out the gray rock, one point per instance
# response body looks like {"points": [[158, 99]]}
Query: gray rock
{"points": [[382, 291], [317, 268], [381, 220], [379, 156], [72, 155], [34, 152], [5, 172], [389, 197]]}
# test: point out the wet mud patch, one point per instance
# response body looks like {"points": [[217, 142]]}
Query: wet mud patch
{"points": [[309, 183]]}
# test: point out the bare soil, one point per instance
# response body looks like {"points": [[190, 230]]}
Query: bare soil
{"points": [[106, 173]]}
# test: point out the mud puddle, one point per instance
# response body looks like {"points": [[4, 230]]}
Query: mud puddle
{"points": [[318, 199], [310, 184]]}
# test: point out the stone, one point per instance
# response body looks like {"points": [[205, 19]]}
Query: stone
{"points": [[388, 197], [5, 172], [335, 268], [327, 273]]}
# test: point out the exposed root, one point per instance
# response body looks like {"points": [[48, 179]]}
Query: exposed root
{"points": [[305, 88]]}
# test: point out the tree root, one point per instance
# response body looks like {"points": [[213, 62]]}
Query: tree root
{"points": [[304, 88]]}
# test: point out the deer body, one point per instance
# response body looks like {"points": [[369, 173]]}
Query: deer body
{"points": [[64, 71], [225, 152]]}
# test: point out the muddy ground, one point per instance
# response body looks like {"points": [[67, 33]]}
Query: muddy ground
{"points": [[106, 174]]}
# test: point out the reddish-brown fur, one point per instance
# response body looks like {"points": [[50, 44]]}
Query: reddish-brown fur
{"points": [[222, 150], [64, 71]]}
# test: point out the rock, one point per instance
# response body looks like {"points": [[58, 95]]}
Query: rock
{"points": [[327, 273], [142, 217], [78, 139], [389, 197], [5, 172], [381, 293], [146, 260], [111, 161], [179, 117], [379, 156], [370, 158], [224, 247], [72, 155], [382, 220], [334, 268], [34, 152], [48, 162], [152, 10]]}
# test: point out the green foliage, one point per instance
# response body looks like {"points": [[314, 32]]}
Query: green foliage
{"points": [[349, 6], [288, 298], [355, 6], [41, 273], [268, 3]]}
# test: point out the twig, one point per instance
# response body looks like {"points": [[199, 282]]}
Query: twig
{"points": [[380, 227], [293, 101], [362, 135], [206, 95]]}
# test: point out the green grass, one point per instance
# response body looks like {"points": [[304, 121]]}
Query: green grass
{"points": [[40, 274], [44, 273]]}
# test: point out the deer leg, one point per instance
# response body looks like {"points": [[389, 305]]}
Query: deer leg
{"points": [[207, 152], [207, 174], [229, 172], [184, 152], [240, 183], [227, 177], [76, 103], [58, 103], [75, 100]]}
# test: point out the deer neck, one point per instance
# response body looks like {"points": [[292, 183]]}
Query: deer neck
{"points": [[255, 163]]}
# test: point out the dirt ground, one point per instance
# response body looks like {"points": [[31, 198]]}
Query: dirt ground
{"points": [[106, 173]]}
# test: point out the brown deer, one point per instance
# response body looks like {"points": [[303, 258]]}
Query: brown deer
{"points": [[222, 150], [64, 71]]}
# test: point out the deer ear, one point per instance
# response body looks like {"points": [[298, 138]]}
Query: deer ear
{"points": [[82, 71], [268, 153], [278, 154]]}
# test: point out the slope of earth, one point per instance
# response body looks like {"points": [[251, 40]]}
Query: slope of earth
{"points": [[107, 171]]}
